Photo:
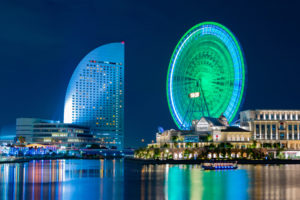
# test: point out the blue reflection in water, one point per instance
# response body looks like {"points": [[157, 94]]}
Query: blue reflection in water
{"points": [[62, 179], [119, 179]]}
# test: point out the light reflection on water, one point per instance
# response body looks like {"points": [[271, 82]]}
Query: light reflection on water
{"points": [[119, 179], [62, 179], [191, 182]]}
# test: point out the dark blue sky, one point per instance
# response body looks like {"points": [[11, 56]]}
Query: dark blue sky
{"points": [[41, 42]]}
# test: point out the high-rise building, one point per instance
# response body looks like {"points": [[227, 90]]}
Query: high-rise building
{"points": [[95, 95]]}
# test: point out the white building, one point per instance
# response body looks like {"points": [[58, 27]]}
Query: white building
{"points": [[95, 94], [270, 126], [206, 129]]}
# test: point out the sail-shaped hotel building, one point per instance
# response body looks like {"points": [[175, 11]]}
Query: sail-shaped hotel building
{"points": [[95, 94]]}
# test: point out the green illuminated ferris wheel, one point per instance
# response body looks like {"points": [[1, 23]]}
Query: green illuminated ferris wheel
{"points": [[206, 75]]}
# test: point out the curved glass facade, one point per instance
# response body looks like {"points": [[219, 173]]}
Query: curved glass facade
{"points": [[95, 95]]}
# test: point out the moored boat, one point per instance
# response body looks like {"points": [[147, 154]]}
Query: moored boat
{"points": [[219, 165]]}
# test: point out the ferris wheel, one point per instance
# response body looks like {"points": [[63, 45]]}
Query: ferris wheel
{"points": [[206, 75]]}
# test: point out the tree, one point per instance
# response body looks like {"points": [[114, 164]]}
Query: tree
{"points": [[217, 151], [276, 145], [209, 138], [229, 145], [228, 151], [223, 152], [211, 147], [267, 145], [249, 152], [156, 153], [175, 144], [186, 153], [175, 138], [21, 140], [140, 152], [254, 143], [203, 153], [222, 145], [181, 138], [189, 144]]}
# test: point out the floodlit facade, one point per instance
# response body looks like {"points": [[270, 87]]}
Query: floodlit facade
{"points": [[269, 126], [95, 95], [50, 132], [216, 128]]}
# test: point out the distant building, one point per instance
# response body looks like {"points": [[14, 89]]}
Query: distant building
{"points": [[95, 95], [51, 132], [8, 134], [7, 139], [273, 126]]}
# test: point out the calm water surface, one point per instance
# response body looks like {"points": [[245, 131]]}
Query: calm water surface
{"points": [[119, 179]]}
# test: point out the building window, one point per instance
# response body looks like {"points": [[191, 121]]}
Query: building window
{"points": [[281, 126], [257, 130], [263, 131], [274, 131], [268, 131]]}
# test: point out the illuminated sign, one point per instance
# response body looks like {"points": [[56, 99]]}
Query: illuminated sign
{"points": [[194, 95]]}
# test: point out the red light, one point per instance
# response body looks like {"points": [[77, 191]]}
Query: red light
{"points": [[123, 42]]}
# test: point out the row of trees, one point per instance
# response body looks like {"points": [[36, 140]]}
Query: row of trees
{"points": [[223, 150]]}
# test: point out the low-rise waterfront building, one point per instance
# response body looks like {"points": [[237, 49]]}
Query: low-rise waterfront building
{"points": [[260, 134], [273, 126], [7, 139], [204, 132], [49, 132], [233, 134]]}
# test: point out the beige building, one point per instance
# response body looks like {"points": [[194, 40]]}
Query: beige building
{"points": [[273, 126], [233, 134], [203, 132]]}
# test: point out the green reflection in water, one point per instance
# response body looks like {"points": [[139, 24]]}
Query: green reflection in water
{"points": [[184, 182]]}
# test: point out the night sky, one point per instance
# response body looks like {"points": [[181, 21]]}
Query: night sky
{"points": [[41, 43]]}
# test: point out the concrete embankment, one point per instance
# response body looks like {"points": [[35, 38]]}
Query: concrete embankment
{"points": [[4, 160], [27, 159], [240, 161]]}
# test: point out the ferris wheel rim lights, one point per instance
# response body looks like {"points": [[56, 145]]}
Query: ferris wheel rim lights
{"points": [[233, 47]]}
